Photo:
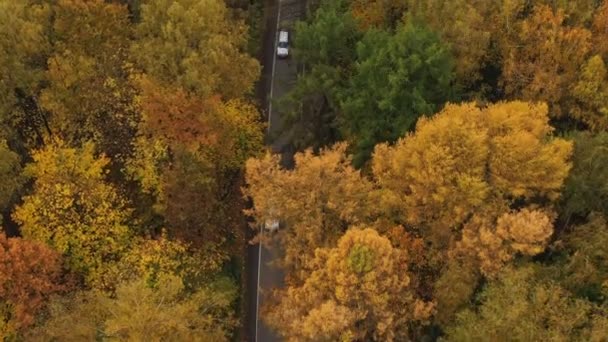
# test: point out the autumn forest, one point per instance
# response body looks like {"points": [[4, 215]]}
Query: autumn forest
{"points": [[448, 181]]}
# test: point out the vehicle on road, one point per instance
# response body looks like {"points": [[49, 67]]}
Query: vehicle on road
{"points": [[271, 225], [283, 45]]}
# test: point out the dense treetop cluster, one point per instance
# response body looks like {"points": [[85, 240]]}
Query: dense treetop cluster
{"points": [[450, 181]]}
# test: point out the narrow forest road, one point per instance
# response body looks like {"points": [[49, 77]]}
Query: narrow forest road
{"points": [[278, 77]]}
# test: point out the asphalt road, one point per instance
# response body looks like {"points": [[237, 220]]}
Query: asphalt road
{"points": [[278, 76]]}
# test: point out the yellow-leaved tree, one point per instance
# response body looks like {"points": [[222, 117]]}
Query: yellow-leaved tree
{"points": [[140, 312], [317, 200], [356, 291], [75, 210], [590, 94], [468, 160], [196, 45], [377, 13]]}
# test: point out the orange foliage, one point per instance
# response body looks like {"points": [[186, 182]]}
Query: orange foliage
{"points": [[600, 30], [176, 116], [545, 58], [29, 273], [525, 232]]}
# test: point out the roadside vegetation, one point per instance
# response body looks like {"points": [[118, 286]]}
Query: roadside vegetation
{"points": [[450, 181], [125, 130]]}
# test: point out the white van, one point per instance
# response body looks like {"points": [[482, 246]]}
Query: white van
{"points": [[283, 46]]}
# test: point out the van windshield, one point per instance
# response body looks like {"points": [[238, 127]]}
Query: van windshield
{"points": [[283, 45]]}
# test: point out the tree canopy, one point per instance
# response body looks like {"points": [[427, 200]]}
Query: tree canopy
{"points": [[396, 80], [75, 210]]}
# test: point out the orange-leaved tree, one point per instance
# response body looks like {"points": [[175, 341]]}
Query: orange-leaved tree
{"points": [[317, 200], [357, 290], [543, 60], [30, 271], [469, 161]]}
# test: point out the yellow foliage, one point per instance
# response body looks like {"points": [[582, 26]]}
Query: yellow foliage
{"points": [[151, 155], [90, 95], [467, 160], [139, 312], [376, 13], [75, 211], [358, 290], [590, 94], [196, 45], [22, 43], [153, 259], [317, 199], [526, 232]]}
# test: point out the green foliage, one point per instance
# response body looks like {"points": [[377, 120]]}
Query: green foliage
{"points": [[462, 25], [361, 259], [326, 47], [396, 80], [590, 94], [586, 188], [329, 38]]}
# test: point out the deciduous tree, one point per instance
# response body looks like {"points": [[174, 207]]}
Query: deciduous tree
{"points": [[590, 94], [165, 312], [468, 160], [190, 157], [526, 232], [585, 271], [357, 290], [377, 13], [600, 30], [75, 210], [317, 200], [23, 48], [463, 26], [544, 59], [11, 177], [586, 188], [150, 259], [396, 80], [90, 94], [195, 45], [520, 306], [327, 47], [29, 273]]}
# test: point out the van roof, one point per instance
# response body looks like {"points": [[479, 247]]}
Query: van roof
{"points": [[283, 36]]}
